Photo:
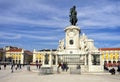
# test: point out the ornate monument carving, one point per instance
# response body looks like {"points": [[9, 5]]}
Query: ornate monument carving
{"points": [[61, 45]]}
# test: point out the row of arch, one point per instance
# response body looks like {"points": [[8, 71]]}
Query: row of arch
{"points": [[111, 63]]}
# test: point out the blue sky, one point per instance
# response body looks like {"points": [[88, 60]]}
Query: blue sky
{"points": [[39, 24]]}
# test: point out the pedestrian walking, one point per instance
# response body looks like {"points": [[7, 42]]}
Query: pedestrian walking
{"points": [[12, 68], [20, 66]]}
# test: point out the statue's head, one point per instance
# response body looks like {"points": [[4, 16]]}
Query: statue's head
{"points": [[74, 7]]}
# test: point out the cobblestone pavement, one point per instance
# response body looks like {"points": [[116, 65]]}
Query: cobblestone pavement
{"points": [[23, 75]]}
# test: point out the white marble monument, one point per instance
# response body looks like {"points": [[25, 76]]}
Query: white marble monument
{"points": [[77, 49]]}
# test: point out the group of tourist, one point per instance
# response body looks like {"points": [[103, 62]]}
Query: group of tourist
{"points": [[112, 70], [63, 66], [4, 65], [17, 66], [38, 64], [12, 66]]}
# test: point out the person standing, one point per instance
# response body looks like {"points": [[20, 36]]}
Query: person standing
{"points": [[0, 67], [78, 67], [118, 69], [37, 64], [112, 71], [4, 66], [66, 66]]}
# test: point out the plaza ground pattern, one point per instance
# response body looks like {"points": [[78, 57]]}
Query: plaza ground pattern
{"points": [[23, 75]]}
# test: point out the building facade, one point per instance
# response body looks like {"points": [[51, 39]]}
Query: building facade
{"points": [[2, 55], [46, 57], [14, 55], [28, 57], [110, 56]]}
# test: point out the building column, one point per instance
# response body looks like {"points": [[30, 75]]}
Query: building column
{"points": [[22, 56], [34, 55], [50, 62], [89, 59], [43, 59], [56, 60], [85, 60], [4, 56], [101, 60], [118, 56]]}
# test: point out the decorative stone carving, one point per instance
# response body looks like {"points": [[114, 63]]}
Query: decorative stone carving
{"points": [[61, 45]]}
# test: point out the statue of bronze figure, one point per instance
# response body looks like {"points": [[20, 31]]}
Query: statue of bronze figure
{"points": [[73, 15]]}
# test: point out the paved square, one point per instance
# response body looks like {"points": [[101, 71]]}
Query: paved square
{"points": [[23, 75]]}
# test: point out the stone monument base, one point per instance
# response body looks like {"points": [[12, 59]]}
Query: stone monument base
{"points": [[46, 70]]}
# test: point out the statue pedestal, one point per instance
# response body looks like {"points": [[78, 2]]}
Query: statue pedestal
{"points": [[46, 70]]}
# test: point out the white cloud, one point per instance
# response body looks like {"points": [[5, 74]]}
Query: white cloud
{"points": [[47, 43], [105, 36], [10, 44], [40, 37], [107, 45], [102, 16], [34, 13], [19, 20], [4, 43], [116, 45], [34, 30], [5, 35]]}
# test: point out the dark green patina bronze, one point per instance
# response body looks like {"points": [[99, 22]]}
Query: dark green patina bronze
{"points": [[73, 16]]}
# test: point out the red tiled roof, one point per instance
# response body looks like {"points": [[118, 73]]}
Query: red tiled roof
{"points": [[105, 49], [28, 52], [2, 50], [15, 50]]}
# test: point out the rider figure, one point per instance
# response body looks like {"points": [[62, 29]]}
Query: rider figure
{"points": [[73, 16]]}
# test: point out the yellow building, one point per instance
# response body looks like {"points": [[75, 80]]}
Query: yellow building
{"points": [[110, 56], [37, 56], [14, 55], [45, 57]]}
